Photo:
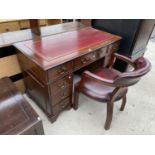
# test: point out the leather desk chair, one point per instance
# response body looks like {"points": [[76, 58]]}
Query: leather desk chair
{"points": [[109, 85]]}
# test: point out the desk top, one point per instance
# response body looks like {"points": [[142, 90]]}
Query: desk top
{"points": [[53, 47], [56, 49]]}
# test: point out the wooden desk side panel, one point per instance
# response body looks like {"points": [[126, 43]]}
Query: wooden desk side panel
{"points": [[36, 83], [32, 68]]}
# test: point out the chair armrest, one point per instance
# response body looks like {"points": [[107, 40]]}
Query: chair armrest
{"points": [[124, 58], [97, 78]]}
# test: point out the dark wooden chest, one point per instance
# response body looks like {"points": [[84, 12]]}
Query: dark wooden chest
{"points": [[16, 114]]}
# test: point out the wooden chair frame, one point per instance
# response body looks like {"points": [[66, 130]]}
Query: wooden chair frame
{"points": [[141, 67]]}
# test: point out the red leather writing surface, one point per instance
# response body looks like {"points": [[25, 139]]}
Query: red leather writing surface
{"points": [[59, 45]]}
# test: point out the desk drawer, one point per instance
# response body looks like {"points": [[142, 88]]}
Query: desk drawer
{"points": [[61, 106], [24, 24], [43, 22], [62, 83], [85, 60], [61, 95], [59, 71], [6, 27]]}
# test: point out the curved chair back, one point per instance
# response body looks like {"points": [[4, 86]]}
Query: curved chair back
{"points": [[141, 67]]}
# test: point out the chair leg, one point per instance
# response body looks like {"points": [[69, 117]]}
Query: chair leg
{"points": [[123, 103], [109, 115], [76, 100]]}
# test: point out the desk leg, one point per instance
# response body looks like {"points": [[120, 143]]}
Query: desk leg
{"points": [[106, 61]]}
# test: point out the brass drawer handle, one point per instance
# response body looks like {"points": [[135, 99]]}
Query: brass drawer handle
{"points": [[115, 48], [85, 60], [61, 85], [69, 77], [94, 56], [63, 106], [62, 70]]}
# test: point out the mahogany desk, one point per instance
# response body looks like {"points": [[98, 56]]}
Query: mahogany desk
{"points": [[48, 64]]}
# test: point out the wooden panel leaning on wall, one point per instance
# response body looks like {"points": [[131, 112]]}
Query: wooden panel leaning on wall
{"points": [[9, 66], [17, 117]]}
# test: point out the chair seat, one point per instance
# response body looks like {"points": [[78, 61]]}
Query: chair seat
{"points": [[100, 92]]}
